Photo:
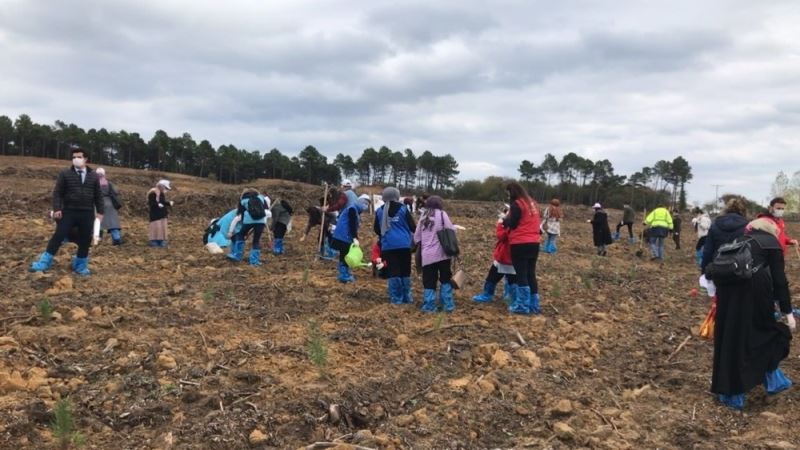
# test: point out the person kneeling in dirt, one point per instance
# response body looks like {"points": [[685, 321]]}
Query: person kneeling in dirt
{"points": [[159, 210], [395, 226], [346, 232], [749, 343], [253, 212], [281, 220], [601, 233], [77, 202], [502, 267], [435, 262]]}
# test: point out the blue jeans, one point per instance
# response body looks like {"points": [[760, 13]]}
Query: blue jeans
{"points": [[657, 247]]}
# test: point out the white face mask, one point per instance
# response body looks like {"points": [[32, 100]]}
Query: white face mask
{"points": [[778, 213], [78, 162]]}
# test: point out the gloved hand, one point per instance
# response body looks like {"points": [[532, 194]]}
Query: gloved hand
{"points": [[171, 203], [355, 241], [791, 322], [160, 205]]}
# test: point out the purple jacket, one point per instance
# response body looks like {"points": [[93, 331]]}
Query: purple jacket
{"points": [[432, 251]]}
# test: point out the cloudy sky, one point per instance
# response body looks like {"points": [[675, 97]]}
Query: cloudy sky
{"points": [[490, 82]]}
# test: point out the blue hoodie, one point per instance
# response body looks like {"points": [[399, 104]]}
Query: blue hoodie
{"points": [[725, 229]]}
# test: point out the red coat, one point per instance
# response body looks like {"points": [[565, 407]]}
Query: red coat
{"points": [[502, 249], [527, 231], [783, 239], [376, 253]]}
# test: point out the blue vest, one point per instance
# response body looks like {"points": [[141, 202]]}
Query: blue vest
{"points": [[398, 236], [342, 231]]}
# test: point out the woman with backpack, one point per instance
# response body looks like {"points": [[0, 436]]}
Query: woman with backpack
{"points": [[281, 213], [725, 228], [435, 262], [552, 225], [252, 212], [158, 206], [112, 205], [749, 343], [395, 227], [524, 234]]}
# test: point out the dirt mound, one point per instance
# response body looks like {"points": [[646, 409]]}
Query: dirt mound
{"points": [[179, 349]]}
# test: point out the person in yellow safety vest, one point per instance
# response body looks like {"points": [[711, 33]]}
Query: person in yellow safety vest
{"points": [[660, 223]]}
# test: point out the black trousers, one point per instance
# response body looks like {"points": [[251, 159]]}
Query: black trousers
{"points": [[258, 229], [439, 271], [398, 262], [279, 230], [677, 238], [523, 257], [700, 243], [627, 224], [83, 221], [340, 246], [494, 276]]}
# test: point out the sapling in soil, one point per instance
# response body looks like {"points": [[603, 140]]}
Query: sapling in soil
{"points": [[317, 350], [64, 426], [46, 310]]}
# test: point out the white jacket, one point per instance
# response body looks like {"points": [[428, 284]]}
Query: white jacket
{"points": [[702, 224]]}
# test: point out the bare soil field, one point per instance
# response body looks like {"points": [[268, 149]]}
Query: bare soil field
{"points": [[179, 349]]}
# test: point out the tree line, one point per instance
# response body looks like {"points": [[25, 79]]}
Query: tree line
{"points": [[226, 163], [575, 179]]}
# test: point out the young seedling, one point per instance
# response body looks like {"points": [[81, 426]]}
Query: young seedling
{"points": [[64, 426], [317, 350], [587, 282], [208, 296], [46, 310], [439, 321], [556, 291]]}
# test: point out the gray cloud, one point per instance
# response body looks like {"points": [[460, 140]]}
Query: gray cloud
{"points": [[492, 84]]}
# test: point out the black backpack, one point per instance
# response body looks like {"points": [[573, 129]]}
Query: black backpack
{"points": [[255, 207], [211, 230], [733, 262]]}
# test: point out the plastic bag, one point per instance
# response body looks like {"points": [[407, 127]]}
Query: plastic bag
{"points": [[707, 327]]}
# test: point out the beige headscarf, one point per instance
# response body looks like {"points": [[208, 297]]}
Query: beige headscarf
{"points": [[763, 224]]}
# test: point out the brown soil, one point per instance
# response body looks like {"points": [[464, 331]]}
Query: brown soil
{"points": [[179, 349]]}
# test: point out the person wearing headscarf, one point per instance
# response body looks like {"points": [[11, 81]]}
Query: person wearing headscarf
{"points": [[601, 233], [158, 206], [552, 225], [435, 262], [749, 342], [346, 232], [522, 222], [395, 227], [112, 204]]}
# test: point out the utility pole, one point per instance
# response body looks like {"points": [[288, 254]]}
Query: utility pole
{"points": [[716, 196]]}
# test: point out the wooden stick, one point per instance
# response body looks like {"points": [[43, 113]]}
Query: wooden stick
{"points": [[679, 347], [797, 250], [322, 222]]}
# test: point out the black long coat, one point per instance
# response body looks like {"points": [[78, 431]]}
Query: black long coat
{"points": [[601, 233], [748, 341]]}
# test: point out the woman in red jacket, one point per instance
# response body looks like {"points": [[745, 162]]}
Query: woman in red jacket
{"points": [[522, 224], [501, 266]]}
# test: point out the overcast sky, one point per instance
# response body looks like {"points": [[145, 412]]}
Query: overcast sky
{"points": [[492, 83]]}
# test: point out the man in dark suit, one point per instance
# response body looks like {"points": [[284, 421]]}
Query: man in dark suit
{"points": [[77, 201]]}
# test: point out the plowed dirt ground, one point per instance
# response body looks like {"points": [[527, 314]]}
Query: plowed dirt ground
{"points": [[176, 348]]}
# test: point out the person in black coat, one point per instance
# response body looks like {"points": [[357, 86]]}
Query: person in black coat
{"points": [[724, 229], [77, 201], [749, 342], [676, 228], [601, 233]]}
